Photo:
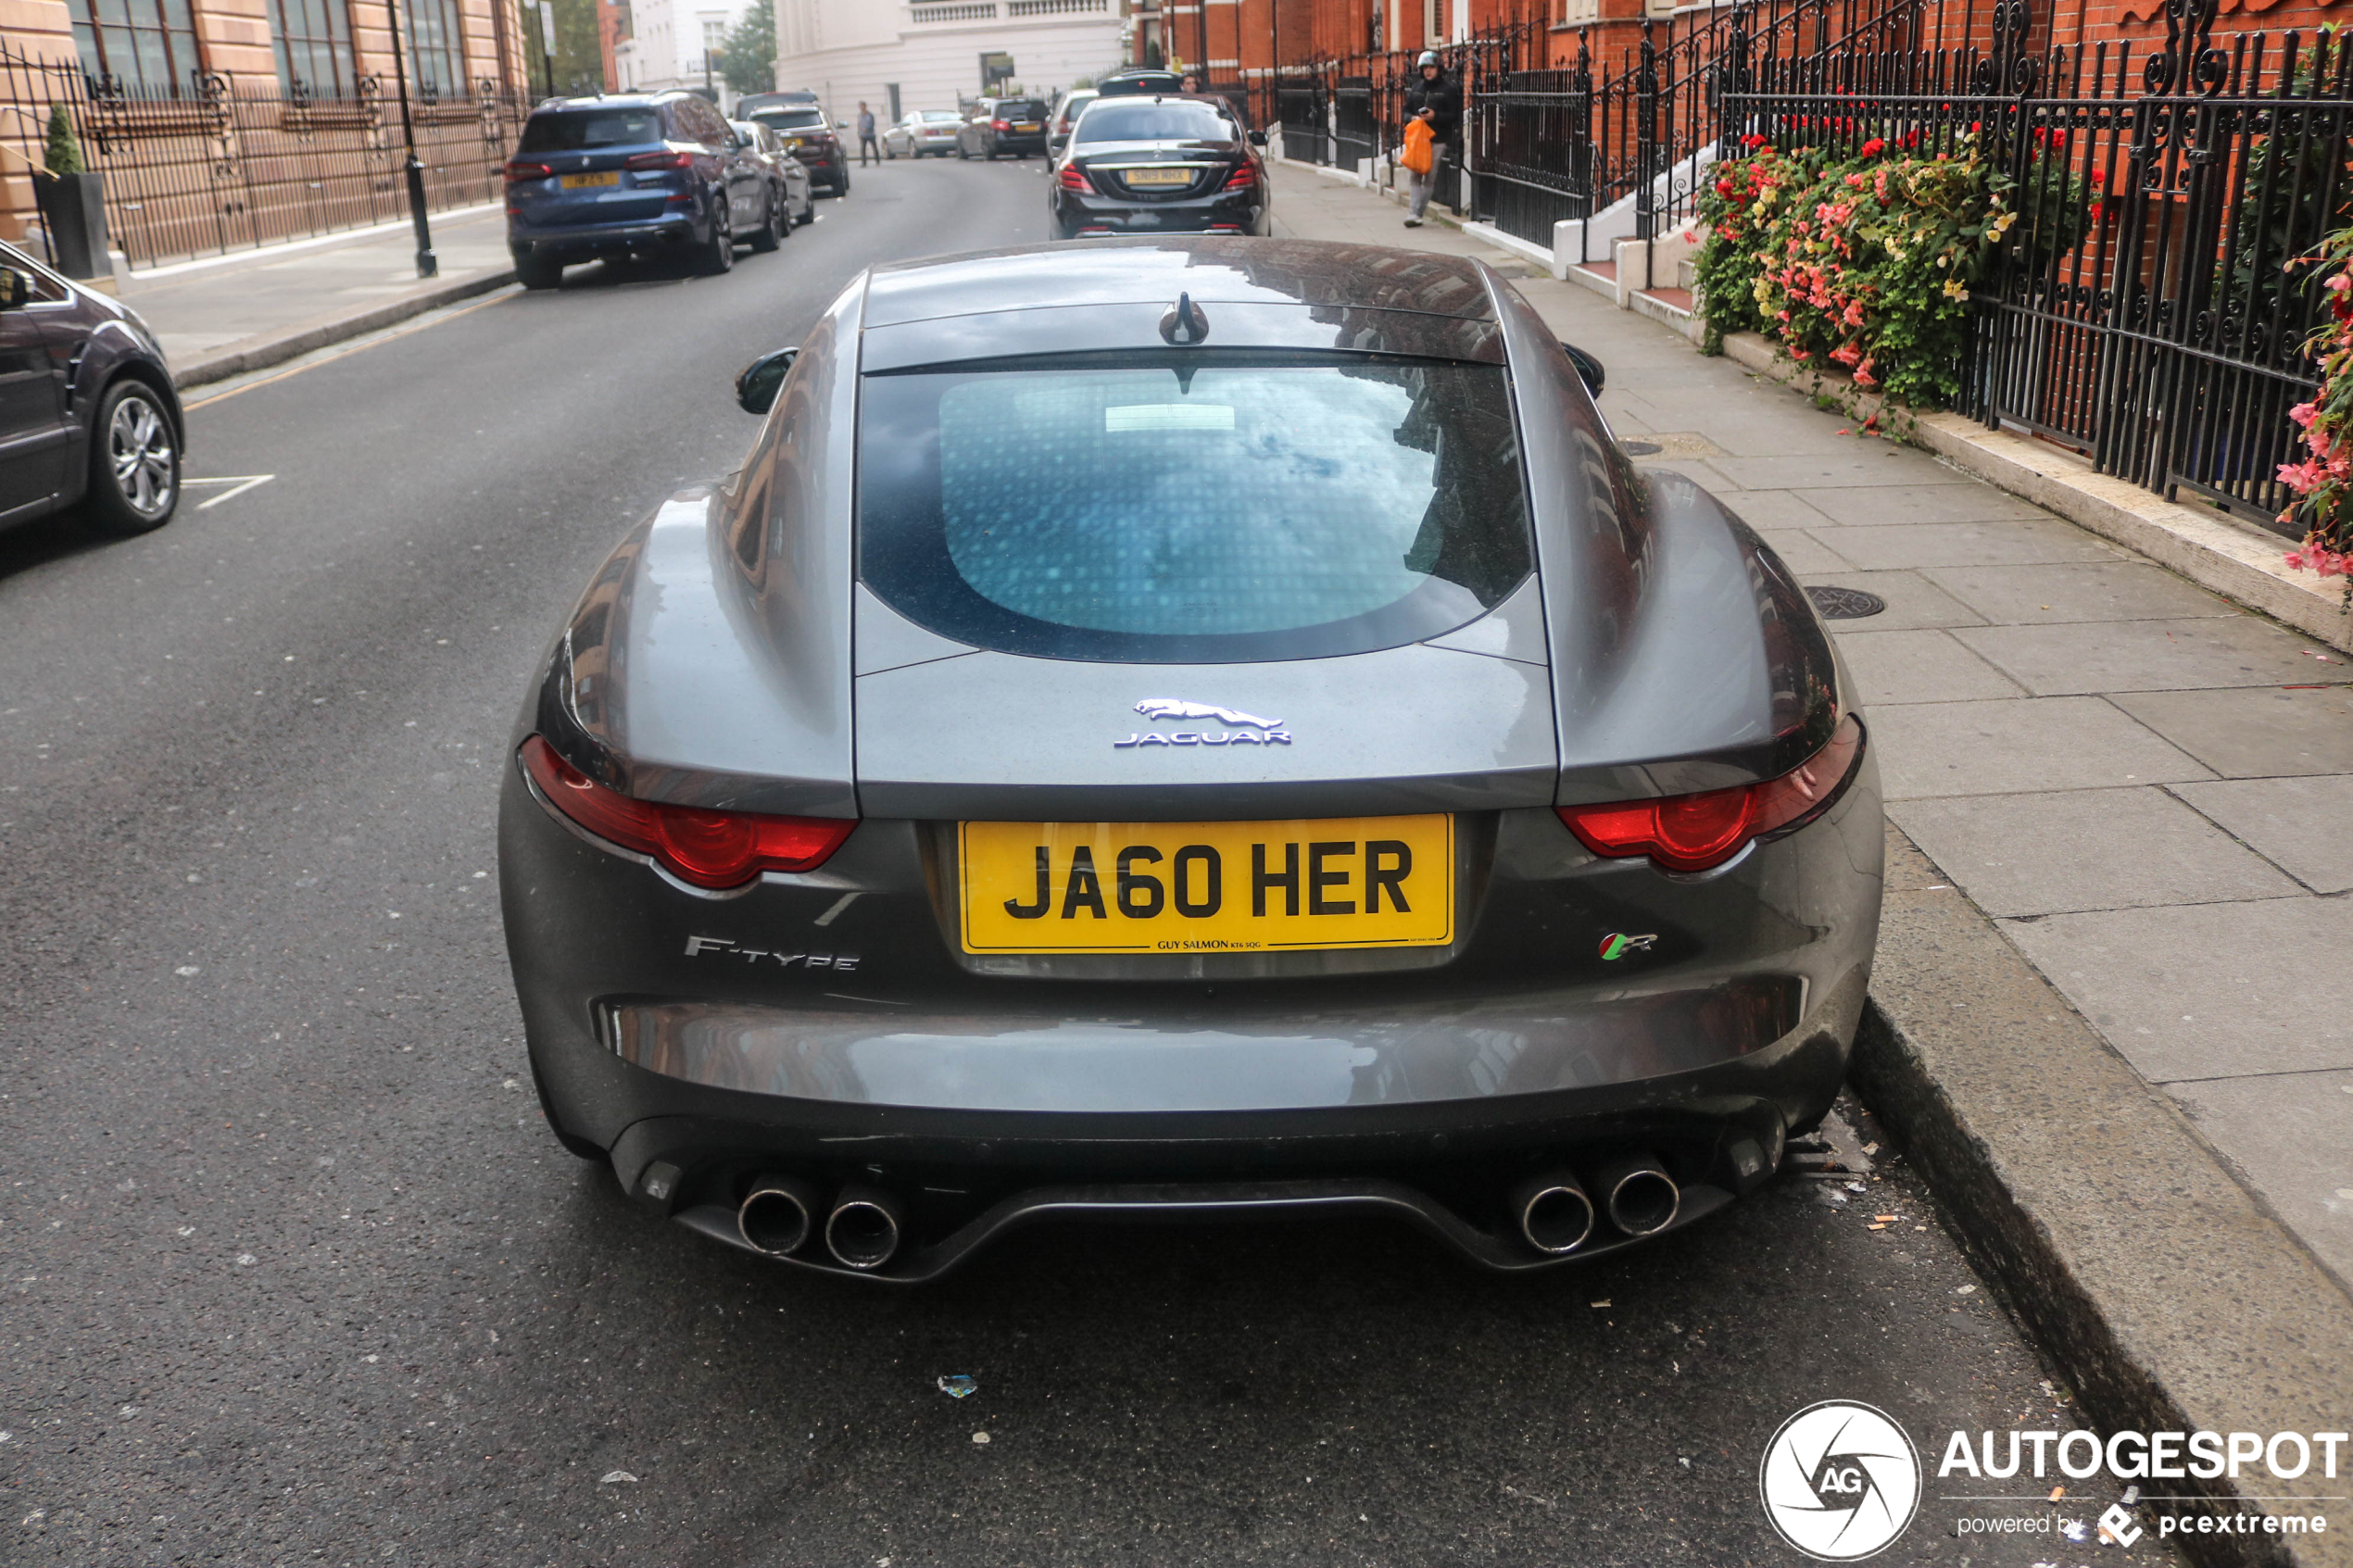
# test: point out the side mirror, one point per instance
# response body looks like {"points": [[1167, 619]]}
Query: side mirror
{"points": [[756, 389], [16, 289], [1589, 369], [1258, 138]]}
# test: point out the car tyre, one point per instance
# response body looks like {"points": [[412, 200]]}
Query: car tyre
{"points": [[719, 255], [841, 183], [135, 462], [773, 223], [538, 272]]}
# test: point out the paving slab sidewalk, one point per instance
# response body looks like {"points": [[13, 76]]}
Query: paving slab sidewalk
{"points": [[2141, 786], [221, 316]]}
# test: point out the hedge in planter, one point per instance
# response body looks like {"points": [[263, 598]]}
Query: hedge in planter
{"points": [[1864, 259]]}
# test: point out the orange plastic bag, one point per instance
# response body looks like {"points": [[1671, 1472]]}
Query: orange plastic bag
{"points": [[1417, 156]]}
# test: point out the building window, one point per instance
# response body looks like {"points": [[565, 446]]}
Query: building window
{"points": [[313, 42], [146, 45], [436, 48]]}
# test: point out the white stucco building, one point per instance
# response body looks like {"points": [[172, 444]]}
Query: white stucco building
{"points": [[669, 40], [903, 54]]}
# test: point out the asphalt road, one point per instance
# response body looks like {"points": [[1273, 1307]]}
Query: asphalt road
{"points": [[292, 1272]]}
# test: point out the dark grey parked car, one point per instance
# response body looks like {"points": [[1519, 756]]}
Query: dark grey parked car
{"points": [[87, 409], [1188, 726]]}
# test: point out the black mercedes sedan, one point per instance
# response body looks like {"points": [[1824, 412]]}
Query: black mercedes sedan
{"points": [[1159, 165], [1188, 727], [88, 414]]}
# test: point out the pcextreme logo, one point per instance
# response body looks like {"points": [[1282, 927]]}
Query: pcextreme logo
{"points": [[1840, 1481]]}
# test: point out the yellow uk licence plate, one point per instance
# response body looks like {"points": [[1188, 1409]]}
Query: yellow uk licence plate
{"points": [[1206, 888], [585, 182], [1159, 175], [1025, 125]]}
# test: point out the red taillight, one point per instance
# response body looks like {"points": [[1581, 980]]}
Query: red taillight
{"points": [[524, 168], [715, 849], [642, 162], [1690, 832], [1243, 178], [1000, 125], [1073, 177]]}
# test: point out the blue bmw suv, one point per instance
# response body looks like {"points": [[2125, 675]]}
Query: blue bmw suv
{"points": [[635, 174]]}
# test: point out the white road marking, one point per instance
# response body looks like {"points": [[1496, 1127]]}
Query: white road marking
{"points": [[244, 481]]}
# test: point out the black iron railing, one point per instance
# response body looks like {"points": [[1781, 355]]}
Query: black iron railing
{"points": [[213, 165]]}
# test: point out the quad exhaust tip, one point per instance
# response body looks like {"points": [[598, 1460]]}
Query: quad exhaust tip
{"points": [[1639, 1196], [863, 1230], [778, 1215], [1555, 1214]]}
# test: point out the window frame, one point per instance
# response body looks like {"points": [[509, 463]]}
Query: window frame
{"points": [[450, 52], [181, 78], [343, 58]]}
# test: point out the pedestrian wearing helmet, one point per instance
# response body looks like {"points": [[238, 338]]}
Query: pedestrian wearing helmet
{"points": [[1438, 102]]}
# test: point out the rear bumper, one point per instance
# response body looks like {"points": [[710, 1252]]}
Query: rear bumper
{"points": [[781, 1044], [1079, 212], [576, 243]]}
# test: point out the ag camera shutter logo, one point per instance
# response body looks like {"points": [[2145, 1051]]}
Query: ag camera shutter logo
{"points": [[1840, 1481]]}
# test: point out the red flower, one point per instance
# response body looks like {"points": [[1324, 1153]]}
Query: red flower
{"points": [[1874, 147]]}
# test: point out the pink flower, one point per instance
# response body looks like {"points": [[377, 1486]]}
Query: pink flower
{"points": [[1847, 353], [2302, 478], [2302, 414], [2339, 283]]}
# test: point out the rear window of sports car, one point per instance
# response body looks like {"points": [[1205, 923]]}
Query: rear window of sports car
{"points": [[1193, 512]]}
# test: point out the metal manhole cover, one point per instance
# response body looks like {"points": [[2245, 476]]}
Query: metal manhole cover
{"points": [[1845, 604]]}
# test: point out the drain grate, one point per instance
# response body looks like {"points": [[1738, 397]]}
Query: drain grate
{"points": [[1845, 604]]}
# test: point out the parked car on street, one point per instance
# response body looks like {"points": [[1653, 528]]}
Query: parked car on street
{"points": [[88, 414], [787, 176], [1159, 165], [1066, 110], [1014, 127], [809, 137], [1144, 81], [1188, 726], [923, 133], [631, 174]]}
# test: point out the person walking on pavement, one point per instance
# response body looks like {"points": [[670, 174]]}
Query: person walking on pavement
{"points": [[867, 151], [1438, 103]]}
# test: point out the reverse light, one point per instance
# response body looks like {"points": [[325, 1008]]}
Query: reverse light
{"points": [[1073, 177], [521, 170], [1690, 832], [714, 850], [639, 163]]}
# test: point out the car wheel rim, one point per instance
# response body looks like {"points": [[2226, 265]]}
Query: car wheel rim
{"points": [[138, 445]]}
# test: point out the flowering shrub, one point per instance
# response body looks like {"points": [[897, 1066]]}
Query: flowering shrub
{"points": [[1864, 259], [2323, 480]]}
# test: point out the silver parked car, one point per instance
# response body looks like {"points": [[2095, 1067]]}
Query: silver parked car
{"points": [[1188, 726], [923, 133]]}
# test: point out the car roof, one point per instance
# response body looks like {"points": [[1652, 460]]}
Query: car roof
{"points": [[611, 101], [1211, 268]]}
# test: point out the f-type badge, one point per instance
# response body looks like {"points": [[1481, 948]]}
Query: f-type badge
{"points": [[1244, 729], [1617, 944]]}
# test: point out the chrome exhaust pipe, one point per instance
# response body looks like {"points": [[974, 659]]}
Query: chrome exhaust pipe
{"points": [[778, 1215], [864, 1231], [1554, 1214], [1639, 1196]]}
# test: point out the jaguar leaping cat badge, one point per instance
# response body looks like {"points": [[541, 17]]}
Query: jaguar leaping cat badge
{"points": [[1170, 708]]}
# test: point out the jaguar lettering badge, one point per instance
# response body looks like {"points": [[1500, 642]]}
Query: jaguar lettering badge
{"points": [[1269, 732]]}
